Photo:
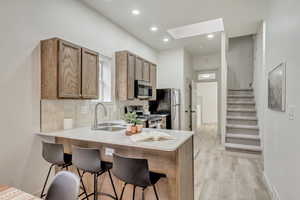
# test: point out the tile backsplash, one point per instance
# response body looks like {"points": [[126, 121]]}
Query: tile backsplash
{"points": [[53, 112]]}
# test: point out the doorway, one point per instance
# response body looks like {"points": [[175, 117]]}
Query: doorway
{"points": [[204, 104]]}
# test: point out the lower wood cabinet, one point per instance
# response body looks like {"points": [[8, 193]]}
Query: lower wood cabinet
{"points": [[68, 71], [163, 124]]}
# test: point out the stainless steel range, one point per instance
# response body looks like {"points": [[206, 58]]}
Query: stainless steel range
{"points": [[150, 121]]}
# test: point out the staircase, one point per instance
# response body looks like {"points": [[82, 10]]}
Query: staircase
{"points": [[242, 131]]}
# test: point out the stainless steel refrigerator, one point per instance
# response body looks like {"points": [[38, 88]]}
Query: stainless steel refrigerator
{"points": [[168, 102]]}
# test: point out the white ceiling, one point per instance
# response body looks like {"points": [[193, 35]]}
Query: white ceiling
{"points": [[241, 17]]}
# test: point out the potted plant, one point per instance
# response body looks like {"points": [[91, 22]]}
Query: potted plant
{"points": [[131, 120], [139, 125]]}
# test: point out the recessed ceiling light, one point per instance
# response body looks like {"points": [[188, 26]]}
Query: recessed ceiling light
{"points": [[166, 39], [135, 12], [210, 36], [153, 28]]}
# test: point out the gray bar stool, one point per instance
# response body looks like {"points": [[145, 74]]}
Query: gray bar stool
{"points": [[65, 186], [88, 160], [135, 172], [54, 154]]}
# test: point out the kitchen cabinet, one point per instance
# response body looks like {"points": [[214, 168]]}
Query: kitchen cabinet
{"points": [[153, 81], [68, 71], [130, 67], [125, 75], [146, 71], [163, 123], [90, 74], [139, 65]]}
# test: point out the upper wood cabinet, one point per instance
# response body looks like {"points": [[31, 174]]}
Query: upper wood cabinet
{"points": [[139, 65], [125, 75], [90, 74], [153, 81], [130, 67], [146, 71], [130, 75], [68, 71]]}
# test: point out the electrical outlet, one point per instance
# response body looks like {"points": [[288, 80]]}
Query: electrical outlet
{"points": [[109, 151]]}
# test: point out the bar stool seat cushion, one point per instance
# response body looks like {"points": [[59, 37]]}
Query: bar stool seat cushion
{"points": [[106, 165], [154, 177], [67, 159]]}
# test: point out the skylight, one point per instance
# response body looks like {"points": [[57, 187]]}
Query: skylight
{"points": [[201, 28]]}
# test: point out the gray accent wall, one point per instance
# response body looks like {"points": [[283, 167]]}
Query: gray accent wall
{"points": [[240, 62]]}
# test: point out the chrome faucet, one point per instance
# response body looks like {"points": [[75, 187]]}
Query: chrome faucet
{"points": [[96, 113]]}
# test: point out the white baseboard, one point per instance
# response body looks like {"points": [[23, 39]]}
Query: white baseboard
{"points": [[272, 190]]}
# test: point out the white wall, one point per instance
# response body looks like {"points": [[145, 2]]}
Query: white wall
{"points": [[259, 76], [175, 71], [207, 62], [170, 74], [222, 87], [281, 135], [24, 24], [207, 93], [240, 62], [170, 71], [188, 77]]}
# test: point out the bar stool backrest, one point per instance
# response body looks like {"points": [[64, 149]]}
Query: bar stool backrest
{"points": [[131, 170], [65, 186], [53, 153], [87, 159]]}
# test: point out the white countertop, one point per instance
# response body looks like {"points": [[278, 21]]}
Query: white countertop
{"points": [[119, 138]]}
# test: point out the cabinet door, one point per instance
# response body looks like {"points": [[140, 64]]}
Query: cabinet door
{"points": [[153, 80], [90, 74], [146, 71], [130, 76], [138, 69], [163, 124], [69, 70]]}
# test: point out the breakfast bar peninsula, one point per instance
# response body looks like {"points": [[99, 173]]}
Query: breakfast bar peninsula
{"points": [[171, 157]]}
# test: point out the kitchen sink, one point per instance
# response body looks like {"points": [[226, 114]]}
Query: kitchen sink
{"points": [[107, 126], [110, 128]]}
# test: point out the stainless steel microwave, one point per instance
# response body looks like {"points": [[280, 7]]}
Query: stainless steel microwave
{"points": [[143, 89]]}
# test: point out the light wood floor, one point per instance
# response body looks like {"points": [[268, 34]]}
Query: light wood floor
{"points": [[223, 175]]}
